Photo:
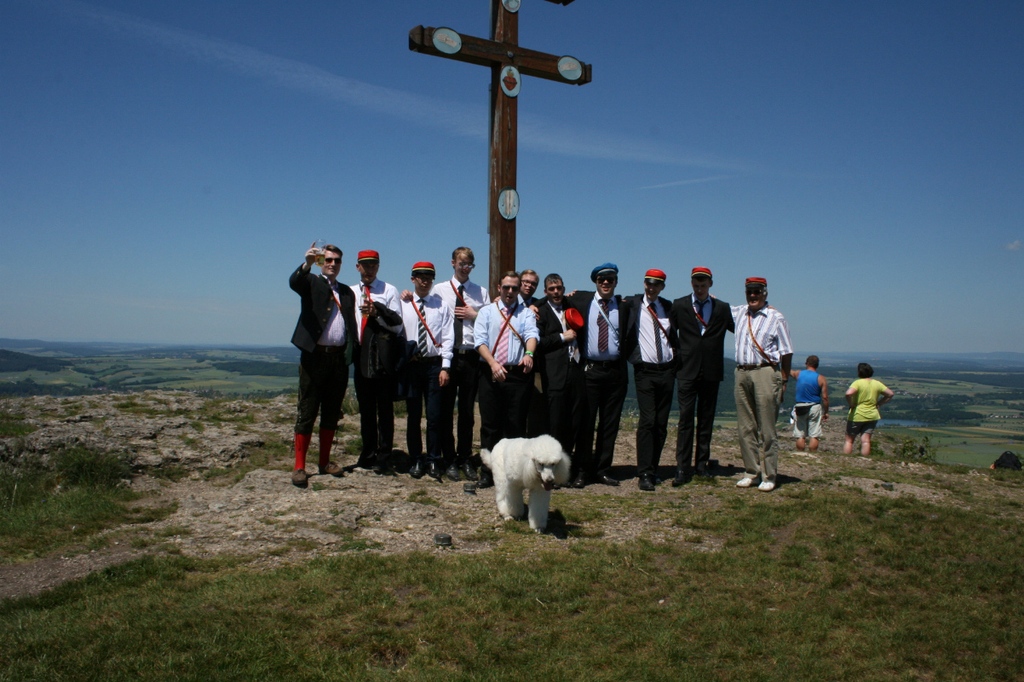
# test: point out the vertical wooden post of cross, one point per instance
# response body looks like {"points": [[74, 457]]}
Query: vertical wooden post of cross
{"points": [[508, 63]]}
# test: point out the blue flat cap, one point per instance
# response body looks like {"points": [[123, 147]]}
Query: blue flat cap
{"points": [[604, 269]]}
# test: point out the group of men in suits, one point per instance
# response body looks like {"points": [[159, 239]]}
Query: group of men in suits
{"points": [[579, 344]]}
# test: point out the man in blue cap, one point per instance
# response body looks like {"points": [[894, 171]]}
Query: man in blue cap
{"points": [[605, 376]]}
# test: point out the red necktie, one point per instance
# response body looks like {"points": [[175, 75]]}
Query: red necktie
{"points": [[362, 326]]}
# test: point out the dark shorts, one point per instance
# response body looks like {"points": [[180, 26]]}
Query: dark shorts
{"points": [[854, 429]]}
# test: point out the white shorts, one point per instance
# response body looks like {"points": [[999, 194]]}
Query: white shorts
{"points": [[808, 425]]}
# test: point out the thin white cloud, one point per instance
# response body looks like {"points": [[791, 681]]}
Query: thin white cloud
{"points": [[692, 181], [458, 119], [1013, 246]]}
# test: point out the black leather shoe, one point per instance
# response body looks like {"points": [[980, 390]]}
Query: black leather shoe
{"points": [[646, 482], [468, 471], [434, 470], [417, 470], [702, 472], [607, 480], [453, 473], [579, 482], [486, 479], [366, 462]]}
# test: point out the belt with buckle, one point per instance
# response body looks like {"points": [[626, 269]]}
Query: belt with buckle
{"points": [[329, 349], [757, 366]]}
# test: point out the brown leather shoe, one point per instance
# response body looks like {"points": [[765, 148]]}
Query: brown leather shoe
{"points": [[300, 479], [332, 469]]}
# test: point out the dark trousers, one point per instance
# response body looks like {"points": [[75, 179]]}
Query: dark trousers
{"points": [[423, 389], [462, 386], [605, 389], [323, 380], [654, 384], [565, 410], [536, 413], [503, 406], [376, 415], [696, 397]]}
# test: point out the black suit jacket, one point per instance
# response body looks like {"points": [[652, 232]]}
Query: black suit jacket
{"points": [[631, 335], [317, 305], [582, 300], [552, 352], [701, 356]]}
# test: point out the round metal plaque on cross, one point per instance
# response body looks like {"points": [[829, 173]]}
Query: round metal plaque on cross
{"points": [[510, 81], [508, 203], [447, 40]]}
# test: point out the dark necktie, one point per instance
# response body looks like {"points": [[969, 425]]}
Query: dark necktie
{"points": [[602, 327], [657, 334], [362, 327], [458, 323]]}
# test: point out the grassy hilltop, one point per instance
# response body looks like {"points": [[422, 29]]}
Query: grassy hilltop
{"points": [[215, 567]]}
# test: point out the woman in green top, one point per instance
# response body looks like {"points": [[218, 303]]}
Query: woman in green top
{"points": [[865, 396]]}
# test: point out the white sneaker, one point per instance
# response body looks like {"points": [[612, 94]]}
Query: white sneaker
{"points": [[745, 482], [766, 486]]}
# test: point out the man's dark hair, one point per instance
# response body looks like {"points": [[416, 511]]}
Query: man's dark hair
{"points": [[552, 278], [333, 249], [511, 273], [812, 361], [865, 371]]}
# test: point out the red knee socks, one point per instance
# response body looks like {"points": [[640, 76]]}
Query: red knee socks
{"points": [[301, 447], [326, 439]]}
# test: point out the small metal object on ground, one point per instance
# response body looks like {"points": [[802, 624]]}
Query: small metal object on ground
{"points": [[469, 488], [442, 540], [888, 486]]}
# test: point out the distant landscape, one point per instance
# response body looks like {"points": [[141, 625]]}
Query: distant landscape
{"points": [[969, 406]]}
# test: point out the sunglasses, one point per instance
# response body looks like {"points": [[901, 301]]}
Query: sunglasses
{"points": [[507, 287], [607, 280], [653, 282], [332, 260], [755, 292]]}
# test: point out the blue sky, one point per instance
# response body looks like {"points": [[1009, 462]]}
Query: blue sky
{"points": [[164, 166]]}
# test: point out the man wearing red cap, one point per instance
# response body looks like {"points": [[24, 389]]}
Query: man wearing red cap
{"points": [[701, 322], [764, 355], [380, 340], [324, 334], [429, 326], [558, 362], [648, 343]]}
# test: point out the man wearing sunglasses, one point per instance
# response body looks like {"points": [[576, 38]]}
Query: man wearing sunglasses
{"points": [[604, 370], [764, 355], [650, 340], [506, 338], [324, 334]]}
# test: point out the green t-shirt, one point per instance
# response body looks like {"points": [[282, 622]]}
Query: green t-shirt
{"points": [[866, 407]]}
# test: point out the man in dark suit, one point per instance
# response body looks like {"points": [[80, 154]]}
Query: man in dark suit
{"points": [[379, 337], [701, 323], [604, 370], [325, 335], [561, 372], [649, 340]]}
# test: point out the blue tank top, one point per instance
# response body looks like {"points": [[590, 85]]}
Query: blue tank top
{"points": [[807, 389]]}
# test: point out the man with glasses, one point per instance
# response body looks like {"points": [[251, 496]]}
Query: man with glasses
{"points": [[701, 323], [559, 366], [428, 325], [764, 356], [604, 370], [506, 338], [380, 318], [465, 299], [324, 334], [649, 342], [536, 416]]}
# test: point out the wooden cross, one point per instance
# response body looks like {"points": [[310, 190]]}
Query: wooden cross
{"points": [[508, 62]]}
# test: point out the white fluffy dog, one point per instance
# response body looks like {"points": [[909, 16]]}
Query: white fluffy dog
{"points": [[537, 464]]}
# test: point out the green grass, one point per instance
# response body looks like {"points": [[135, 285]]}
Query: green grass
{"points": [[819, 584], [12, 424], [45, 509]]}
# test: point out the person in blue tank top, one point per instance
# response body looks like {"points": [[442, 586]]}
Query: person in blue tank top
{"points": [[811, 404]]}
